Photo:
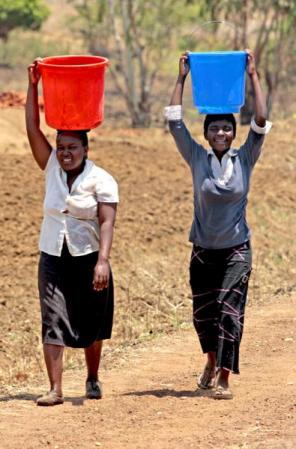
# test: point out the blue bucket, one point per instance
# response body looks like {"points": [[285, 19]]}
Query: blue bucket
{"points": [[218, 81]]}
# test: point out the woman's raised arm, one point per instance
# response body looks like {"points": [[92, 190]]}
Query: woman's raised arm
{"points": [[260, 102], [177, 95], [40, 146]]}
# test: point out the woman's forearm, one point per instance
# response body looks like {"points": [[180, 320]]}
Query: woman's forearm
{"points": [[260, 102], [32, 108], [40, 146], [106, 218], [106, 238], [177, 96]]}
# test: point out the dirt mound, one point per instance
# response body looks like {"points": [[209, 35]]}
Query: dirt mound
{"points": [[13, 137]]}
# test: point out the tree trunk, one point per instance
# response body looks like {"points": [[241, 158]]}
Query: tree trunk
{"points": [[141, 119]]}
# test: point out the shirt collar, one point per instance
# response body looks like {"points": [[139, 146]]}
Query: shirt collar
{"points": [[230, 153]]}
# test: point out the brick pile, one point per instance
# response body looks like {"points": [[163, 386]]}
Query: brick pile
{"points": [[16, 99]]}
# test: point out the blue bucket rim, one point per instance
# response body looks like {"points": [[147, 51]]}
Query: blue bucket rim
{"points": [[213, 53]]}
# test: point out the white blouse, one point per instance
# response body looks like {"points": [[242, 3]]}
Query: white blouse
{"points": [[73, 215]]}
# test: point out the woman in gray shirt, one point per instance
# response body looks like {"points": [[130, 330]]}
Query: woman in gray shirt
{"points": [[221, 257]]}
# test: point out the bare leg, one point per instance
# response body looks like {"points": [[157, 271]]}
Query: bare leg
{"points": [[53, 355], [223, 378], [93, 386], [207, 378], [211, 360], [93, 358]]}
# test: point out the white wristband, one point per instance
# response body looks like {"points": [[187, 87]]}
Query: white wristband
{"points": [[174, 112], [259, 129]]}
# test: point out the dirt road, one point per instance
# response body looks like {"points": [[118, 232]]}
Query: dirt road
{"points": [[150, 397]]}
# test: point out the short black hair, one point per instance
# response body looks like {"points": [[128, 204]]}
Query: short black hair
{"points": [[216, 117], [81, 134]]}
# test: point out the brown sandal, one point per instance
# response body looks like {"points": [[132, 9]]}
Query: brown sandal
{"points": [[49, 399]]}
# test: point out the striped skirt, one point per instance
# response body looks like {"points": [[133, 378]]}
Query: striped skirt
{"points": [[219, 282]]}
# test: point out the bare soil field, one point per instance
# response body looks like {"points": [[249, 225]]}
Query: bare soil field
{"points": [[150, 365]]}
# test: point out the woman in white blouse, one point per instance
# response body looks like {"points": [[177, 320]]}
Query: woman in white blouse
{"points": [[75, 280]]}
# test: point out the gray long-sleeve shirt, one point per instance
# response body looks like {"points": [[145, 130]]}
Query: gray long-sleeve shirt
{"points": [[219, 210]]}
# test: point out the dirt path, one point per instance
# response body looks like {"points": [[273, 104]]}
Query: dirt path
{"points": [[151, 402]]}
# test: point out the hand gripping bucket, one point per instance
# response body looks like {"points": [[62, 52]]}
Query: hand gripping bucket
{"points": [[73, 91], [218, 81]]}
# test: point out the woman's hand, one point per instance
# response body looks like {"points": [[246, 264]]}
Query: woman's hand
{"points": [[251, 64], [101, 275], [34, 72], [184, 65]]}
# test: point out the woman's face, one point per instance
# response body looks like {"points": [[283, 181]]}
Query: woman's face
{"points": [[220, 135], [70, 151]]}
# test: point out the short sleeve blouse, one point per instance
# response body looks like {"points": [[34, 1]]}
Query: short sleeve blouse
{"points": [[72, 215]]}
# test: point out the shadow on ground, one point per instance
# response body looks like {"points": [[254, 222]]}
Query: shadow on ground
{"points": [[76, 401], [170, 392]]}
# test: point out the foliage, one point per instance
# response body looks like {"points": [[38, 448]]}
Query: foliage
{"points": [[139, 35], [136, 35], [266, 27], [21, 13], [34, 45], [91, 15]]}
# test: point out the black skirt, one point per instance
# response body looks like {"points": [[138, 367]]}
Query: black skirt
{"points": [[73, 313], [219, 282]]}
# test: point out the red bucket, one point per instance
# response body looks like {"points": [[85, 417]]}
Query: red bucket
{"points": [[73, 91]]}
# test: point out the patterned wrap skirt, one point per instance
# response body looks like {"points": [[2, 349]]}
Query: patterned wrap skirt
{"points": [[219, 283], [73, 313]]}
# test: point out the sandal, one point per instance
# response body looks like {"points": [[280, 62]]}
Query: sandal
{"points": [[206, 380], [49, 399], [222, 393]]}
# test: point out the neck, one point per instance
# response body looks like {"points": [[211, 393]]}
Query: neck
{"points": [[220, 154], [72, 175], [76, 171]]}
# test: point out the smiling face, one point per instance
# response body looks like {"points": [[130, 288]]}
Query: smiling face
{"points": [[71, 152], [220, 135]]}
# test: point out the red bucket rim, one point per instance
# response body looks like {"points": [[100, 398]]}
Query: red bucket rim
{"points": [[101, 61]]}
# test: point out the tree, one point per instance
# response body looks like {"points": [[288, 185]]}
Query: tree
{"points": [[90, 24], [28, 14], [268, 28], [138, 35]]}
